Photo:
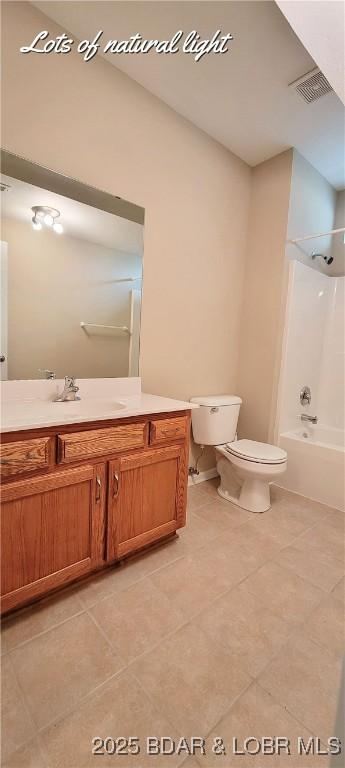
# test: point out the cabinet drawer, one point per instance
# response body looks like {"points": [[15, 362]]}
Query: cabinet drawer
{"points": [[162, 430], [100, 442], [26, 456]]}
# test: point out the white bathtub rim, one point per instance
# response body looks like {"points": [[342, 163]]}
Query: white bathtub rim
{"points": [[292, 435]]}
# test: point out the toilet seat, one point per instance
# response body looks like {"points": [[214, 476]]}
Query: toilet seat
{"points": [[260, 453]]}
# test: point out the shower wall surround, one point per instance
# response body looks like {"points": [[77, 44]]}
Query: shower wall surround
{"points": [[315, 348], [314, 357]]}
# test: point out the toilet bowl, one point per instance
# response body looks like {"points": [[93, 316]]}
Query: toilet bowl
{"points": [[255, 465]]}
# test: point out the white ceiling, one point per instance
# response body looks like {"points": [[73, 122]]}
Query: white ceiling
{"points": [[241, 98], [78, 219], [321, 28]]}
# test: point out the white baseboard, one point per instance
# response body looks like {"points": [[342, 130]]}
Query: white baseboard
{"points": [[202, 476]]}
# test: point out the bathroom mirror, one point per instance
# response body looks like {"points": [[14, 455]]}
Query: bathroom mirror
{"points": [[71, 277]]}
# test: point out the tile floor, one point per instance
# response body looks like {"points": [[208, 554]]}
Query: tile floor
{"points": [[235, 628]]}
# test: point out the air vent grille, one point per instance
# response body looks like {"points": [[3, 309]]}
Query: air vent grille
{"points": [[312, 86], [4, 187]]}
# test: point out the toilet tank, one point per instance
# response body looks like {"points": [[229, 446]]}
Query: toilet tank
{"points": [[215, 421]]}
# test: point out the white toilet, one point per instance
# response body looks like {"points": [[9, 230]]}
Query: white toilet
{"points": [[255, 464]]}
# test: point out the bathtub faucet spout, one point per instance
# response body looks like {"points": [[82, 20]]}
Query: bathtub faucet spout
{"points": [[306, 417]]}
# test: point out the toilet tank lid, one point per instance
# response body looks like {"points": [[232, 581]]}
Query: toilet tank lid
{"points": [[217, 400]]}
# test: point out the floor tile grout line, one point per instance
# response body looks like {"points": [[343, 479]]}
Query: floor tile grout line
{"points": [[128, 668], [102, 632], [283, 546], [142, 578], [176, 727], [44, 631], [153, 647], [295, 631], [211, 501], [342, 578], [39, 730], [166, 565], [91, 606], [44, 752], [193, 617], [287, 709], [291, 569], [74, 707], [321, 645], [26, 707], [27, 743], [215, 535], [153, 703], [298, 535], [289, 573], [160, 568], [304, 532], [225, 713], [295, 628]]}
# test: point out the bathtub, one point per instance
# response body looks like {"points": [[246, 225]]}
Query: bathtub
{"points": [[316, 463]]}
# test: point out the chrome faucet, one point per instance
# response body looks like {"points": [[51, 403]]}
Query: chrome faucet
{"points": [[69, 391], [47, 373], [306, 417]]}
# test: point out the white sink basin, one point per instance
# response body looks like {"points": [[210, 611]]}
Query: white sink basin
{"points": [[85, 407], [47, 411]]}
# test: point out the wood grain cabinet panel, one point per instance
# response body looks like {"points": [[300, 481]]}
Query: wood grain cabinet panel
{"points": [[164, 430], [100, 442], [121, 495], [147, 495], [24, 456], [52, 531]]}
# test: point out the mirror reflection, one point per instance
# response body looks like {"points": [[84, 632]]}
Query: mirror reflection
{"points": [[71, 286]]}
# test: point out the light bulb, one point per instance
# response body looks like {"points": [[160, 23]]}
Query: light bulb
{"points": [[57, 227], [48, 220], [36, 224]]}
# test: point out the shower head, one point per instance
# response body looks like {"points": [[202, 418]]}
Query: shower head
{"points": [[327, 259]]}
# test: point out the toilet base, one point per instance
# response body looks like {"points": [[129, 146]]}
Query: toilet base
{"points": [[254, 496]]}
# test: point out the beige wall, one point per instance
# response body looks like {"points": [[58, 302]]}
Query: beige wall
{"points": [[263, 306], [54, 282], [312, 210], [93, 123]]}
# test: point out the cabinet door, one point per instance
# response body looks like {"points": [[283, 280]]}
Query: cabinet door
{"points": [[147, 498], [52, 531]]}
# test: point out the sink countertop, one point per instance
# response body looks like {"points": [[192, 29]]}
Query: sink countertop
{"points": [[22, 413]]}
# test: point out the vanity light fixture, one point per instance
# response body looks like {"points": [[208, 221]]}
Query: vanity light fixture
{"points": [[44, 214]]}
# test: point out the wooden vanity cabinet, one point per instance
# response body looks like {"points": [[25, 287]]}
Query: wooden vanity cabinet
{"points": [[78, 511], [146, 500], [52, 531]]}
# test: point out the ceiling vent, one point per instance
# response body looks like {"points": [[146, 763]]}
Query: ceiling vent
{"points": [[4, 187], [311, 86]]}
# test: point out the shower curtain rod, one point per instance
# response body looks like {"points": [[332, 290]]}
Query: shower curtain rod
{"points": [[320, 234]]}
